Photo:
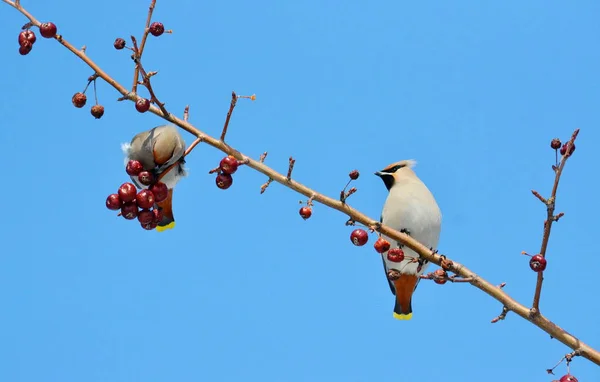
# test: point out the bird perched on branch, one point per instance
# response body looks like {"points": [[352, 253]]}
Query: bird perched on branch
{"points": [[410, 208], [158, 149]]}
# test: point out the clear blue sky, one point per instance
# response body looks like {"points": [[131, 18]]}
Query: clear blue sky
{"points": [[243, 288]]}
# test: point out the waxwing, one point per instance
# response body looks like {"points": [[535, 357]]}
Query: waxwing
{"points": [[157, 149], [409, 208]]}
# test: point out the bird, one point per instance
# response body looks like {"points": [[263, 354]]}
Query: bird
{"points": [[157, 149], [411, 209]]}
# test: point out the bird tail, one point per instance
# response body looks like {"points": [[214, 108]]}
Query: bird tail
{"points": [[405, 286], [168, 221]]}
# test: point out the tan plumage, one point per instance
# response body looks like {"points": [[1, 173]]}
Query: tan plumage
{"points": [[411, 208], [157, 149]]}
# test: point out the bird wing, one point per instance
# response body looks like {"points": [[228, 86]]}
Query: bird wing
{"points": [[391, 284]]}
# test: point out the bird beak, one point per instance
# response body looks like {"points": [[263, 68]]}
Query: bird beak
{"points": [[378, 173]]}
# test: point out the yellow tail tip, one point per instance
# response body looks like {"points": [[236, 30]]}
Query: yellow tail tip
{"points": [[402, 316], [171, 225]]}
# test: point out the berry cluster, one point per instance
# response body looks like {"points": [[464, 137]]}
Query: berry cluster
{"points": [[227, 167], [27, 37], [140, 204], [556, 144]]}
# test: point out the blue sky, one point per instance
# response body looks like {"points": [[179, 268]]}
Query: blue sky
{"points": [[243, 288]]}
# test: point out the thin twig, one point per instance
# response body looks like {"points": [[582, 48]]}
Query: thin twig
{"points": [[292, 162], [140, 51], [550, 205], [263, 156], [229, 112], [264, 187], [502, 315], [186, 113], [478, 282]]}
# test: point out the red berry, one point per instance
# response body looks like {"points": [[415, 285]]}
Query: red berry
{"points": [[97, 111], [396, 255], [48, 30], [555, 144], [145, 217], [228, 165], [146, 178], [127, 192], [79, 100], [393, 274], [224, 181], [119, 43], [25, 48], [359, 237], [142, 105], [149, 226], [440, 276], [563, 149], [129, 210], [160, 191], [113, 202], [354, 175], [568, 378], [156, 28], [145, 199], [537, 263], [381, 245], [27, 35], [134, 167], [305, 212], [158, 215]]}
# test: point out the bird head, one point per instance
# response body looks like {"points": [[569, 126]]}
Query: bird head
{"points": [[395, 171]]}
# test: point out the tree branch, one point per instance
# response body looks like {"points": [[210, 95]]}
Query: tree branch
{"points": [[495, 292]]}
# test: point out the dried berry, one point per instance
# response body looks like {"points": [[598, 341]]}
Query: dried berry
{"points": [[25, 48], [305, 212], [537, 263], [440, 276], [381, 245], [129, 210], [563, 149], [142, 105], [228, 165], [359, 237], [79, 100], [97, 111], [27, 35], [119, 43], [48, 30], [396, 255], [145, 199], [156, 28], [160, 191], [134, 167], [145, 217], [568, 378], [127, 192], [555, 144], [146, 178], [393, 274], [354, 174], [113, 202], [158, 215], [224, 181]]}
